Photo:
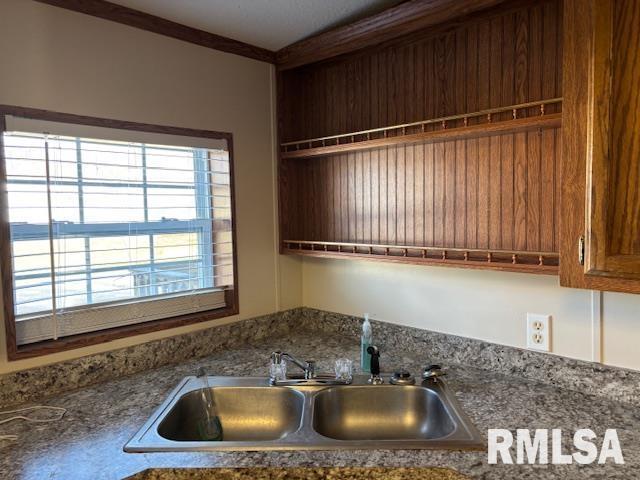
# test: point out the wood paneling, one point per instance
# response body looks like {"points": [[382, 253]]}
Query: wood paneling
{"points": [[492, 191], [389, 24], [434, 201], [499, 64]]}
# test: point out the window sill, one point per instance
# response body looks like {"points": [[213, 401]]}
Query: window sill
{"points": [[94, 338]]}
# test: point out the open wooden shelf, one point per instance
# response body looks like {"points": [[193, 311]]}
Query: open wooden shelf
{"points": [[522, 117], [515, 261]]}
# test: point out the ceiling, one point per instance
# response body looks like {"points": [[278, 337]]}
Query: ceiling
{"points": [[270, 24]]}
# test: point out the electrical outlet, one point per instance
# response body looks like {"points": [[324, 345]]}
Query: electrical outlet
{"points": [[538, 331]]}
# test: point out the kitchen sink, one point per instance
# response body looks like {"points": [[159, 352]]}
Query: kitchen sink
{"points": [[257, 416], [383, 412], [247, 413]]}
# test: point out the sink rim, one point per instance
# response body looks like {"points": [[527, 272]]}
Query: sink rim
{"points": [[465, 436]]}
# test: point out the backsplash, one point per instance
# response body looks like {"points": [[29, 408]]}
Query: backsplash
{"points": [[590, 378], [26, 385], [587, 377]]}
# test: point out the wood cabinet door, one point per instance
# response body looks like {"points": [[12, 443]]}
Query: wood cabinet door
{"points": [[602, 145]]}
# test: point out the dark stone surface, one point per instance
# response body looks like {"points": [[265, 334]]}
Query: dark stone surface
{"points": [[88, 442]]}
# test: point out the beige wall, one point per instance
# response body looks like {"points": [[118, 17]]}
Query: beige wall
{"points": [[621, 330], [480, 304], [59, 60]]}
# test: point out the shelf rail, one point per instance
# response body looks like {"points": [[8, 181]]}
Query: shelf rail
{"points": [[482, 117], [518, 260]]}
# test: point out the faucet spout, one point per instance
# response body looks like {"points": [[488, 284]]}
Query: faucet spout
{"points": [[308, 367]]}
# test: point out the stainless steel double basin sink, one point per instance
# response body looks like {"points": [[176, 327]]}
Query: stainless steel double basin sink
{"points": [[257, 416]]}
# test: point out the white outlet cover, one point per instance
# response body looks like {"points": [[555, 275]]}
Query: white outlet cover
{"points": [[538, 332]]}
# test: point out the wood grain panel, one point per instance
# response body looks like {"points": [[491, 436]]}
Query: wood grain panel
{"points": [[439, 203], [383, 195], [495, 98], [499, 191], [560, 204], [471, 155], [624, 209], [520, 192], [483, 87], [449, 193], [375, 196], [533, 190], [506, 141], [435, 194], [392, 197], [401, 194], [429, 195], [614, 167], [472, 203], [547, 191], [460, 194], [410, 195], [419, 195], [407, 17], [507, 221], [448, 70]]}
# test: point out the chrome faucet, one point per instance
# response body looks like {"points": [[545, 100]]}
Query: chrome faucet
{"points": [[309, 374], [308, 367]]}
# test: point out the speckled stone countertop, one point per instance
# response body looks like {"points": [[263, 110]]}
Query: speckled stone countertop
{"points": [[301, 473], [87, 443]]}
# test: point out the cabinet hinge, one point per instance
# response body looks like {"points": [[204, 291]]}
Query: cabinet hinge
{"points": [[581, 250]]}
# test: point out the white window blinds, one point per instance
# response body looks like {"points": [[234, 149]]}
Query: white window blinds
{"points": [[112, 227]]}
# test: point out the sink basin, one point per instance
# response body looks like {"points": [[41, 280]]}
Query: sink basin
{"points": [[385, 412], [246, 413], [257, 416]]}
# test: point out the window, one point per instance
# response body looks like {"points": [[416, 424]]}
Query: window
{"points": [[112, 227]]}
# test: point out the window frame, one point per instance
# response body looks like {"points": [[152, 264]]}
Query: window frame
{"points": [[17, 352]]}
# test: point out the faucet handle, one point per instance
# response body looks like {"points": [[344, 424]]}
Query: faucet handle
{"points": [[433, 372], [402, 377], [276, 357], [310, 371], [277, 367]]}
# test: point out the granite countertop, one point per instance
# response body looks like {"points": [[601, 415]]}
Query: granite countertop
{"points": [[88, 442], [303, 473]]}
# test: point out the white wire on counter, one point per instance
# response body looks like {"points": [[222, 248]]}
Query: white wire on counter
{"points": [[60, 413]]}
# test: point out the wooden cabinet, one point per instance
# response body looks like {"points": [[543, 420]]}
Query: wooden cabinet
{"points": [[601, 139]]}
